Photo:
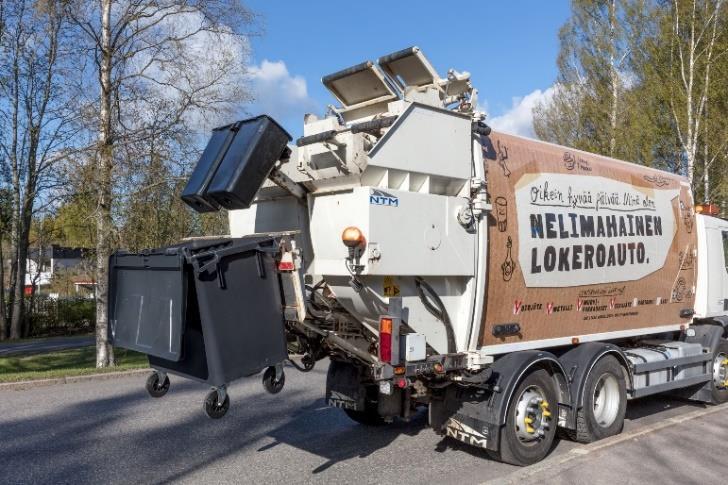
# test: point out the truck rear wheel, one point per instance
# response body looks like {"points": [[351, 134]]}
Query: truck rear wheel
{"points": [[530, 426], [605, 402], [720, 373]]}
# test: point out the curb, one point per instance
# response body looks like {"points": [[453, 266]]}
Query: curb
{"points": [[549, 467], [23, 385]]}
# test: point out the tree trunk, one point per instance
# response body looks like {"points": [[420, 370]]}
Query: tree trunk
{"points": [[17, 320], [18, 303], [104, 351], [614, 77], [3, 310]]}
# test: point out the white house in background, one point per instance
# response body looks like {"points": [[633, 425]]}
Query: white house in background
{"points": [[44, 262]]}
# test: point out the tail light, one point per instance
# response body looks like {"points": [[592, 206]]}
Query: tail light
{"points": [[385, 339]]}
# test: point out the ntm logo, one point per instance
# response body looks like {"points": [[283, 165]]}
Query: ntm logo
{"points": [[377, 197]]}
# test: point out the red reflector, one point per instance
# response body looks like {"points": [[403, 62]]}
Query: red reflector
{"points": [[286, 263], [385, 347], [402, 383]]}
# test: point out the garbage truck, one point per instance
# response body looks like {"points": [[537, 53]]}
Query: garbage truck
{"points": [[511, 287]]}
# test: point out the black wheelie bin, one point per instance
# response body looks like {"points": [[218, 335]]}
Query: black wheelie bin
{"points": [[207, 309]]}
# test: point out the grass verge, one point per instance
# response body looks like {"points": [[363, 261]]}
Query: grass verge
{"points": [[63, 363]]}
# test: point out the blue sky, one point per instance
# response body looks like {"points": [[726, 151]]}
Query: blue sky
{"points": [[510, 49]]}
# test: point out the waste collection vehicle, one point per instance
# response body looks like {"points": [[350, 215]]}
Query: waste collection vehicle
{"points": [[510, 286]]}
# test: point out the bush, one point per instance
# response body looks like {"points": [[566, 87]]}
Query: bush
{"points": [[64, 316]]}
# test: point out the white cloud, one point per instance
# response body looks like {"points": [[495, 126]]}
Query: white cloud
{"points": [[278, 93], [518, 120], [204, 69]]}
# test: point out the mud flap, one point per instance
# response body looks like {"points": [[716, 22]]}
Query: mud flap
{"points": [[344, 388], [466, 415]]}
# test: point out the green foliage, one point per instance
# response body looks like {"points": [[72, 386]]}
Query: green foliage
{"points": [[65, 316], [622, 89], [150, 211]]}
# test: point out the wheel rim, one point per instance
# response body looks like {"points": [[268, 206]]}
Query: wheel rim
{"points": [[533, 415], [607, 400], [720, 371]]}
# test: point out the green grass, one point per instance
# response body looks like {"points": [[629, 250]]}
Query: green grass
{"points": [[73, 362]]}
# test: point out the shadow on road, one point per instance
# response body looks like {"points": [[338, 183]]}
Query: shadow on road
{"points": [[304, 431], [648, 406], [118, 439], [129, 437]]}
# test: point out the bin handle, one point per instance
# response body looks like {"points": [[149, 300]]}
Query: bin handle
{"points": [[215, 263]]}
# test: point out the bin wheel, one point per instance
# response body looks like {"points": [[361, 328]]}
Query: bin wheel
{"points": [[308, 362], [270, 383], [214, 409], [155, 388]]}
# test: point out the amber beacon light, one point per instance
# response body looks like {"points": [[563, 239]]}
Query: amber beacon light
{"points": [[352, 237], [707, 209]]}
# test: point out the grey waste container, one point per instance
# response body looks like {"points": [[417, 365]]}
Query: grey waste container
{"points": [[209, 310]]}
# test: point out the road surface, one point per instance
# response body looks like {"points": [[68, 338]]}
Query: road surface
{"points": [[44, 345], [111, 432]]}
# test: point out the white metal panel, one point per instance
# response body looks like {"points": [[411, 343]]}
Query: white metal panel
{"points": [[499, 349], [712, 282], [368, 304], [264, 216], [415, 234], [427, 140]]}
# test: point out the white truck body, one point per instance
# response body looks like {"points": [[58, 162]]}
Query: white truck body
{"points": [[407, 191], [511, 286]]}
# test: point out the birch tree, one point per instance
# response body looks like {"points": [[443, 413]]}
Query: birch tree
{"points": [[159, 67], [589, 107], [35, 125], [696, 25]]}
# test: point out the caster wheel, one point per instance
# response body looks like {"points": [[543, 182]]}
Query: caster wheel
{"points": [[308, 362], [155, 388], [270, 383], [214, 409]]}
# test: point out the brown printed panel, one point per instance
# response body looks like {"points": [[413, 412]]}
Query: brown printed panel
{"points": [[581, 244]]}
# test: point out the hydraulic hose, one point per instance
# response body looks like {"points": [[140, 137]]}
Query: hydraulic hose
{"points": [[438, 310]]}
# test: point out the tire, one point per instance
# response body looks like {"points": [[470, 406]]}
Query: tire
{"points": [[154, 387], [514, 449], [604, 402], [719, 393]]}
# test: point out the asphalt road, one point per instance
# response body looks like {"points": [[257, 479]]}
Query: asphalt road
{"points": [[44, 345], [112, 432]]}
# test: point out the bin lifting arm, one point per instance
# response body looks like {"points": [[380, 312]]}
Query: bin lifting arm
{"points": [[284, 181]]}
